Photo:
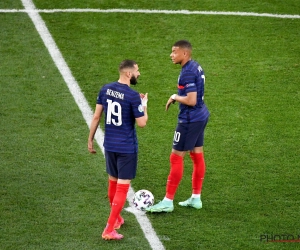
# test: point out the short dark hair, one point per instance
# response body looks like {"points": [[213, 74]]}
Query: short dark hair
{"points": [[185, 44], [127, 64]]}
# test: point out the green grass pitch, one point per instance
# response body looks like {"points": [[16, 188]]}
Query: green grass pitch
{"points": [[53, 192]]}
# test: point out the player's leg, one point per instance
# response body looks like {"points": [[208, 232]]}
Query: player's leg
{"points": [[112, 187], [174, 178], [112, 167], [176, 173], [117, 205], [127, 164], [197, 181], [199, 168], [176, 170], [112, 170]]}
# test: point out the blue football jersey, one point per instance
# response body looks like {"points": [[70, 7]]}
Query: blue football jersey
{"points": [[121, 106], [192, 79]]}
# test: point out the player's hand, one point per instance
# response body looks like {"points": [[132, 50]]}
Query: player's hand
{"points": [[144, 100], [91, 147], [169, 102]]}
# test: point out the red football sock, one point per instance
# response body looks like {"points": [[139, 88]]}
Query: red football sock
{"points": [[175, 175], [117, 205], [198, 172], [112, 187]]}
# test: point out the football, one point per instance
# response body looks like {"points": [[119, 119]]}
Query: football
{"points": [[143, 199]]}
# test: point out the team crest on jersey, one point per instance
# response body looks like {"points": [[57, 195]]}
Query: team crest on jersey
{"points": [[141, 108]]}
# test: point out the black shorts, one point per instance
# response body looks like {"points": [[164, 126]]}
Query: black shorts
{"points": [[121, 166], [187, 136]]}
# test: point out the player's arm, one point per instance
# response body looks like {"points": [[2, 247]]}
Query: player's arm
{"points": [[190, 99], [93, 127], [142, 121]]}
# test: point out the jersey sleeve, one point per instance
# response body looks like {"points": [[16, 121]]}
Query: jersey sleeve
{"points": [[188, 81], [136, 105], [99, 97]]}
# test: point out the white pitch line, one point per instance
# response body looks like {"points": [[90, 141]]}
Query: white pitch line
{"points": [[145, 11], [85, 109]]}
